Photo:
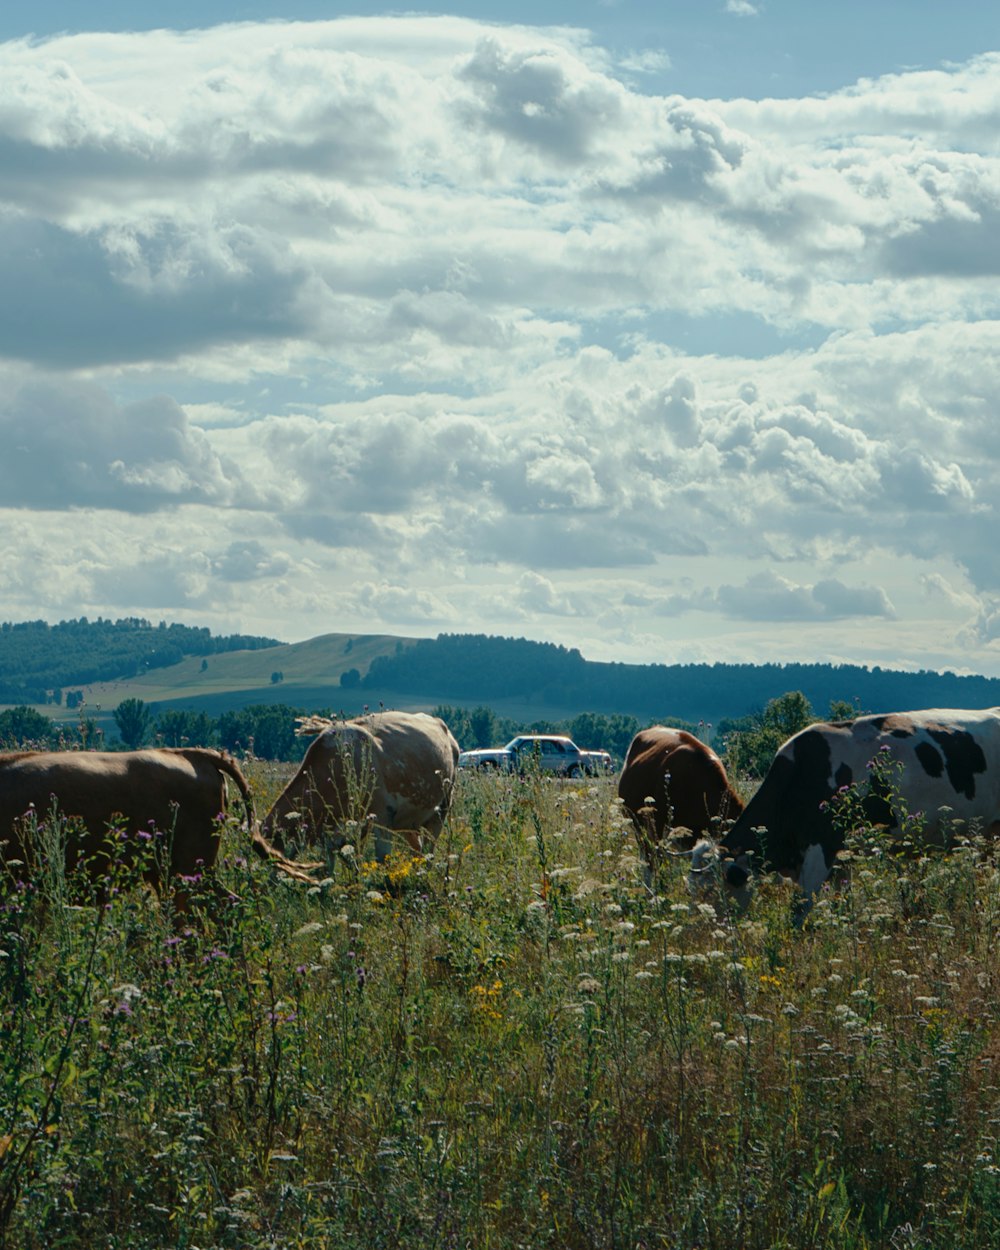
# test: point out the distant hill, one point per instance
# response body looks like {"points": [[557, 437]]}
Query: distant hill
{"points": [[463, 668], [38, 661], [521, 680]]}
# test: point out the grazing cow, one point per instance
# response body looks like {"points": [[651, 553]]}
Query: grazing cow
{"points": [[941, 759], [394, 770], [672, 777], [179, 792]]}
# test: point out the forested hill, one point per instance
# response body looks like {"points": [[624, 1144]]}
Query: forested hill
{"points": [[41, 663], [474, 667], [38, 660]]}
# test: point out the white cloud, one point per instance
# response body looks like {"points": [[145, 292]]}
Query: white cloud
{"points": [[646, 61], [766, 596], [338, 361], [402, 605], [70, 445]]}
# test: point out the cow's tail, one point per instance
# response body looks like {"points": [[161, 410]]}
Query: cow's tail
{"points": [[261, 847]]}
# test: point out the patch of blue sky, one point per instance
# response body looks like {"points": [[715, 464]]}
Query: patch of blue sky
{"points": [[744, 335]]}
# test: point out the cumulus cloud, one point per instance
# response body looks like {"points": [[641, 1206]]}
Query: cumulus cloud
{"points": [[261, 276], [401, 604], [313, 184], [544, 98], [766, 596], [538, 594], [160, 581], [250, 561], [78, 299], [71, 445]]}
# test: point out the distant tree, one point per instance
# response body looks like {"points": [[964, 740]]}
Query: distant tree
{"points": [[23, 726], [595, 731], [276, 677], [751, 742], [266, 729], [350, 679], [483, 727], [133, 719], [178, 727], [73, 699], [204, 665]]}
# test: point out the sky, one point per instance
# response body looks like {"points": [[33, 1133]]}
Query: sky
{"points": [[665, 331]]}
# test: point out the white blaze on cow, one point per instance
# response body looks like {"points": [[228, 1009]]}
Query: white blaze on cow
{"points": [[943, 764], [392, 770], [179, 792]]}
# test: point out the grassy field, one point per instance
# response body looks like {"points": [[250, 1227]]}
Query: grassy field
{"points": [[510, 1042], [310, 671]]}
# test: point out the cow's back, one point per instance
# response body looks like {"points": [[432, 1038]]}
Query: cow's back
{"points": [[926, 761], [417, 758], [685, 779], [396, 768], [179, 794]]}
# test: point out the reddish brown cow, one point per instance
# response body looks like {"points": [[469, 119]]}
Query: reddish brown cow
{"points": [[671, 779], [179, 792]]}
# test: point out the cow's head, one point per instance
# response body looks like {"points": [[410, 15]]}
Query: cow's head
{"points": [[720, 878]]}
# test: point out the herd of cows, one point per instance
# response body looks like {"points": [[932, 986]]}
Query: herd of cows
{"points": [[395, 772]]}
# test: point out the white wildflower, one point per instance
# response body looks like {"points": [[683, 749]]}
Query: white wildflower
{"points": [[314, 926]]}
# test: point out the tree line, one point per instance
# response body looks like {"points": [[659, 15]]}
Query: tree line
{"points": [[462, 668], [268, 730]]}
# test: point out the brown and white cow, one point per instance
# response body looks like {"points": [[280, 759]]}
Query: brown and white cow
{"points": [[179, 793], [942, 763], [672, 777], [394, 771]]}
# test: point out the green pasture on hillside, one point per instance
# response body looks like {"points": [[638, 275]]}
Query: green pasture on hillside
{"points": [[310, 680]]}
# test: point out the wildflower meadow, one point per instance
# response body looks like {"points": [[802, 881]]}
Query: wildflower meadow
{"points": [[512, 1040]]}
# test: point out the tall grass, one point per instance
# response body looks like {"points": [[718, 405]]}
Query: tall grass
{"points": [[509, 1042]]}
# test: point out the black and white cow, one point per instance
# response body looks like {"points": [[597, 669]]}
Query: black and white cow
{"points": [[943, 758]]}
